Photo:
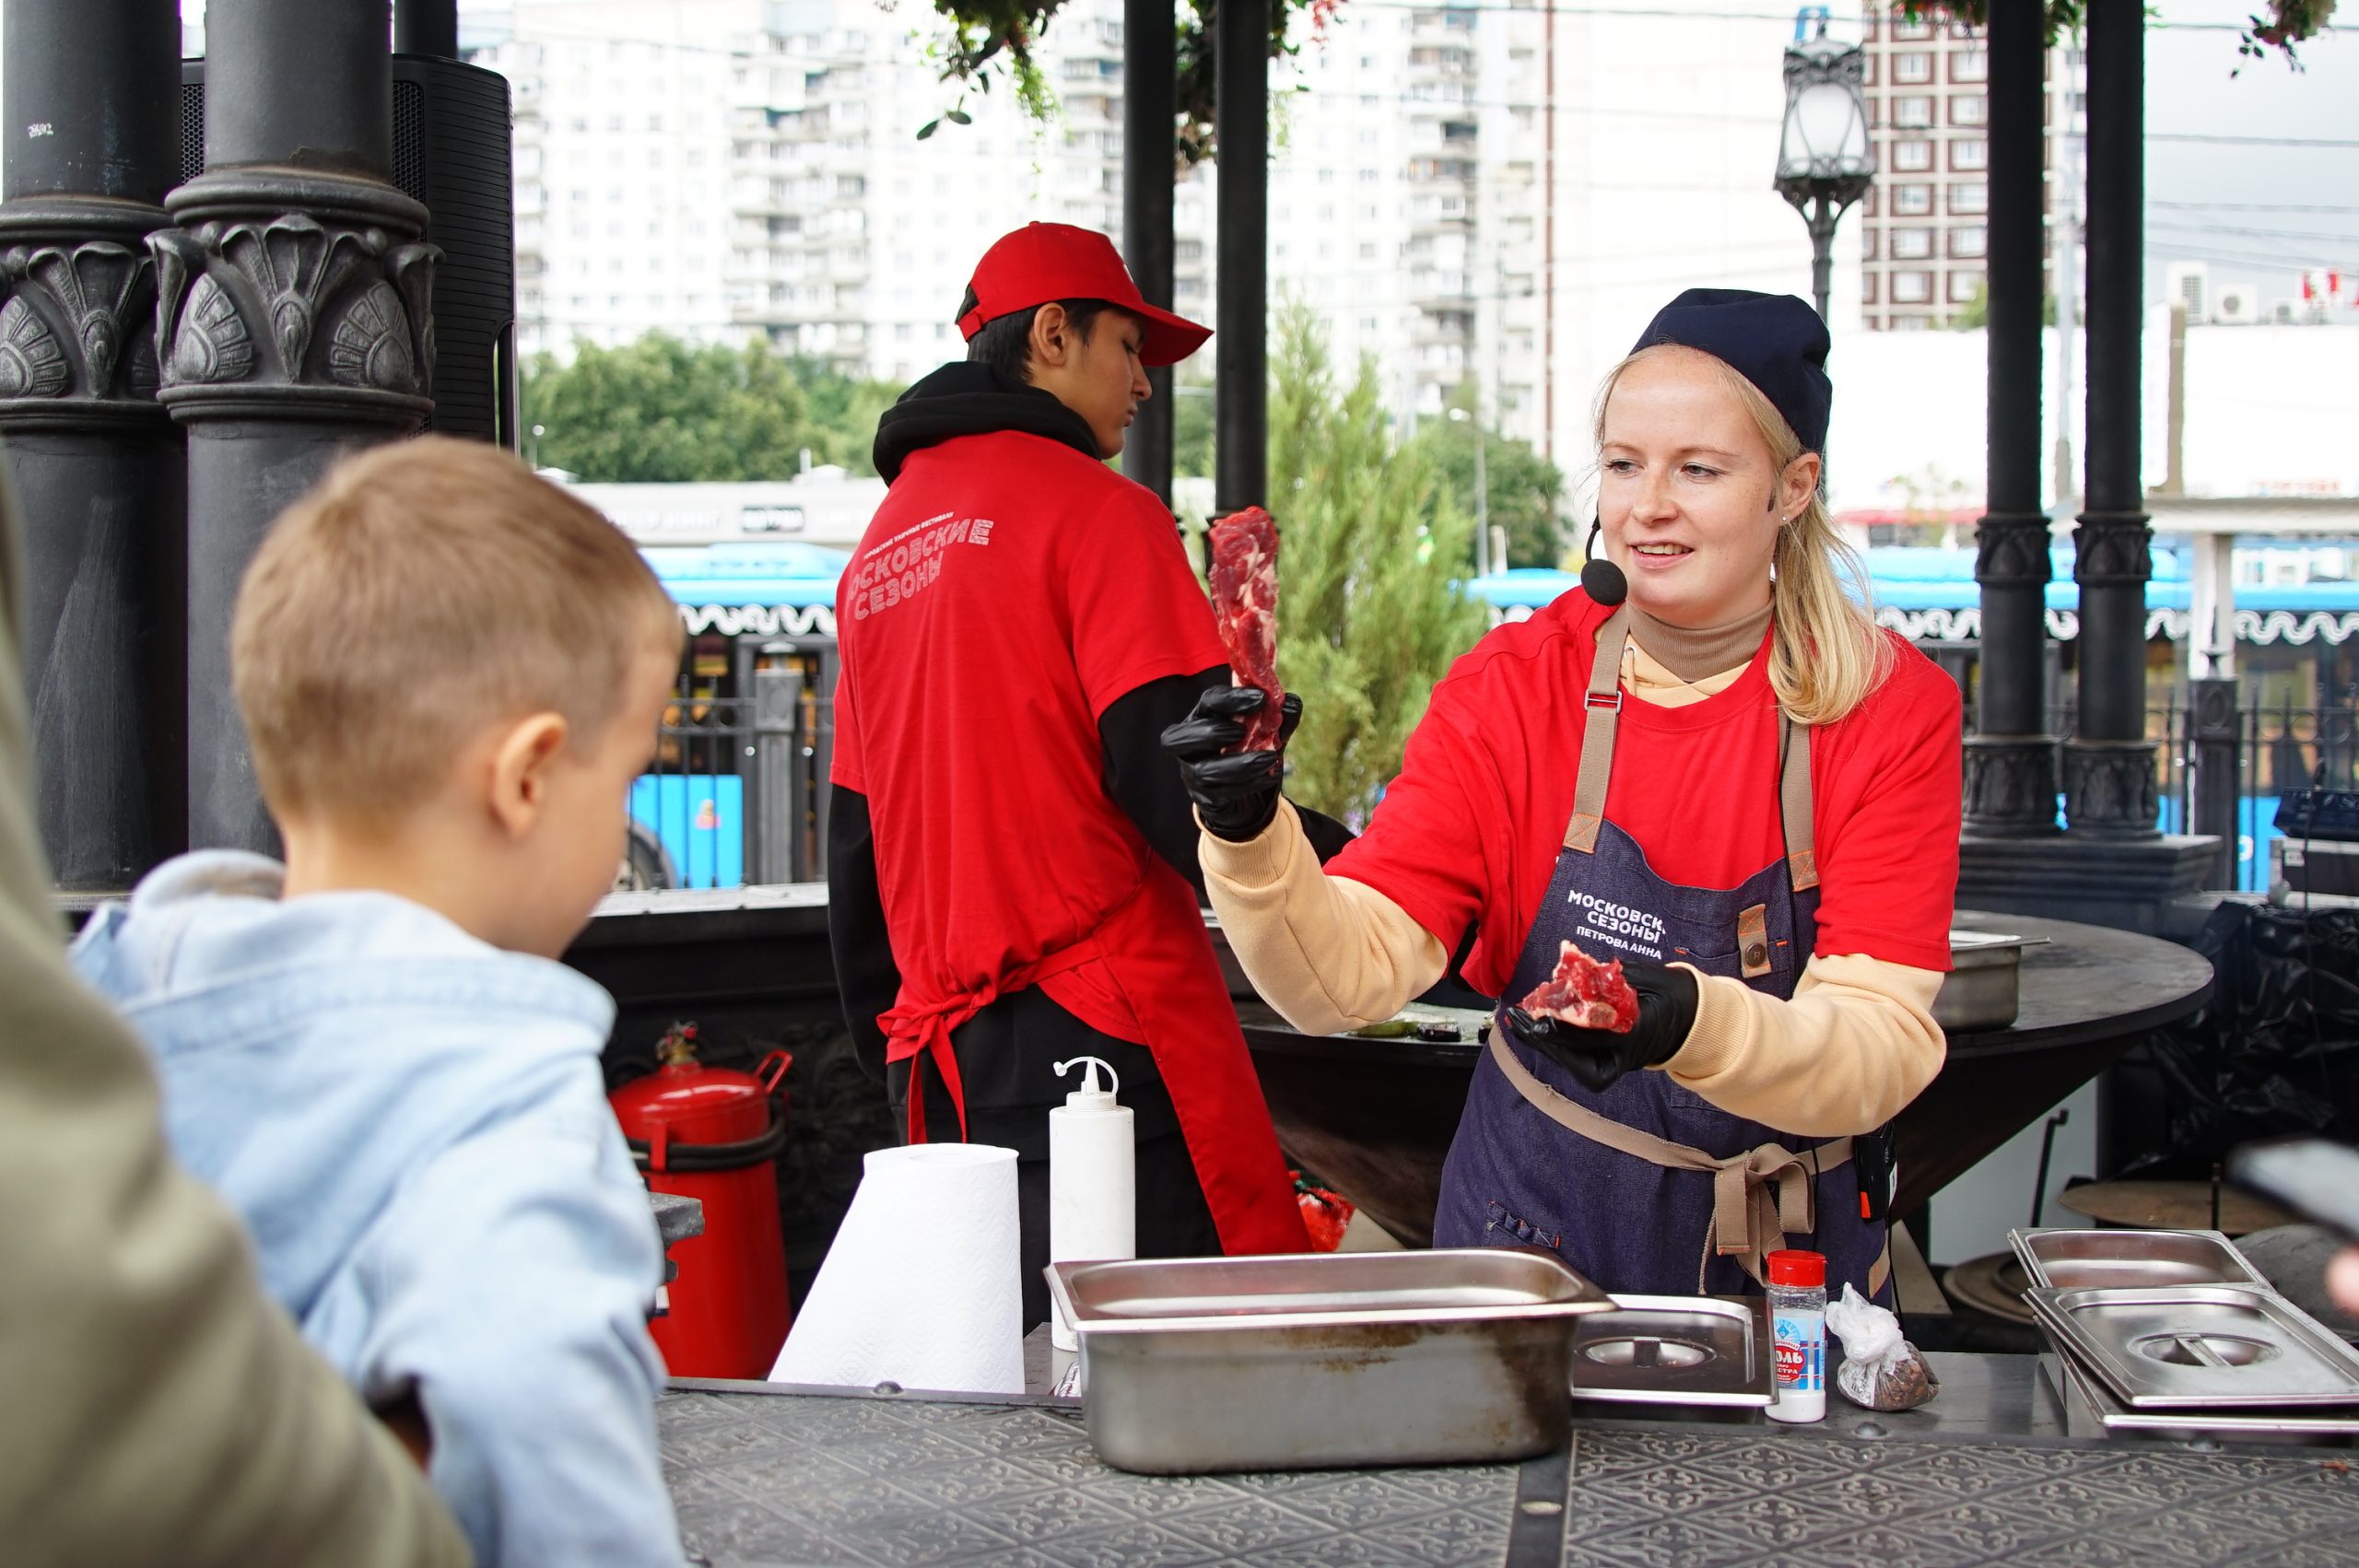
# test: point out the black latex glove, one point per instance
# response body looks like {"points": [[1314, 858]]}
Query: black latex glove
{"points": [[1236, 795], [1597, 1058]]}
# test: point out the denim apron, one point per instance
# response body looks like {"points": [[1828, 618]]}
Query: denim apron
{"points": [[1648, 1187]]}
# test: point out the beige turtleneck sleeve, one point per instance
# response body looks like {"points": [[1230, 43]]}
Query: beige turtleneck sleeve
{"points": [[1854, 1043]]}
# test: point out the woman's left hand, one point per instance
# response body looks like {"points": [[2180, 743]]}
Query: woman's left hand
{"points": [[1597, 1058]]}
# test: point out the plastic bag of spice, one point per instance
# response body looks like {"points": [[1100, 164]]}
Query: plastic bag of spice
{"points": [[1880, 1371]]}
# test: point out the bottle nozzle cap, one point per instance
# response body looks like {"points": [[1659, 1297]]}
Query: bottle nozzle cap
{"points": [[1089, 1094]]}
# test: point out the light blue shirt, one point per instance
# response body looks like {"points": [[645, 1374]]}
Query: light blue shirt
{"points": [[414, 1126]]}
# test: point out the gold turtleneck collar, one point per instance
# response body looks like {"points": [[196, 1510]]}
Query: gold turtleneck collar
{"points": [[1693, 652]]}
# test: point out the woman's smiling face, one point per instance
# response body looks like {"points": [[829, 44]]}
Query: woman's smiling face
{"points": [[1689, 492]]}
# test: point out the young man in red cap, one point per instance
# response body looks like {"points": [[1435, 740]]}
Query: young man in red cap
{"points": [[1011, 857]]}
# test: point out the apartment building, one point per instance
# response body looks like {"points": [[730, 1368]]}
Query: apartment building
{"points": [[1924, 222], [718, 169], [1488, 198]]}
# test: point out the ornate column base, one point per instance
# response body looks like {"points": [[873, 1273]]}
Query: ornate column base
{"points": [[2109, 788], [2010, 786]]}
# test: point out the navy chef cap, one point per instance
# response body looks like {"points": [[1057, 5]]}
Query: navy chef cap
{"points": [[1775, 341]]}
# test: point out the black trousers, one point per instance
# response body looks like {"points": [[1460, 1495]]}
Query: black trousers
{"points": [[1003, 1056]]}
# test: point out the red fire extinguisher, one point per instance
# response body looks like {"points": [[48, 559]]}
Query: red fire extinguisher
{"points": [[710, 1134]]}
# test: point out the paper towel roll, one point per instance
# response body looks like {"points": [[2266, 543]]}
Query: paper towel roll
{"points": [[922, 1286]]}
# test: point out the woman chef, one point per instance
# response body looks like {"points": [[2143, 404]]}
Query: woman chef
{"points": [[1731, 781]]}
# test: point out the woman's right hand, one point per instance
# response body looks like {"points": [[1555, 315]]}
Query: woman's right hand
{"points": [[1236, 792]]}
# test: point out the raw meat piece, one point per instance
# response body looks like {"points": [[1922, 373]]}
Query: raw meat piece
{"points": [[1245, 601], [1585, 994]]}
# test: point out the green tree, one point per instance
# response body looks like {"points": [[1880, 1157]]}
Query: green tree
{"points": [[1526, 490], [1191, 425], [1369, 612], [661, 410]]}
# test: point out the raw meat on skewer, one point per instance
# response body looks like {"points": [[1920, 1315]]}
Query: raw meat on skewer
{"points": [[1245, 601], [1585, 994]]}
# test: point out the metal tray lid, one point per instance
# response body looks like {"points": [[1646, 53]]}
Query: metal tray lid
{"points": [[1676, 1350], [2197, 1346], [1319, 1290], [2067, 1258]]}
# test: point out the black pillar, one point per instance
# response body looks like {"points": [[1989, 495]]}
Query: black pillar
{"points": [[2108, 764], [1241, 124], [1150, 66], [92, 106], [293, 318], [427, 26], [2011, 760]]}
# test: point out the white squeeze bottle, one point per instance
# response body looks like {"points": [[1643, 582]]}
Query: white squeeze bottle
{"points": [[1093, 1179]]}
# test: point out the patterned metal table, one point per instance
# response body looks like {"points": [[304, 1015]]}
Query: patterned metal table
{"points": [[770, 1478]]}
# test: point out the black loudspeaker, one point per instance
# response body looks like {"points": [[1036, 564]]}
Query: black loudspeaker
{"points": [[451, 151]]}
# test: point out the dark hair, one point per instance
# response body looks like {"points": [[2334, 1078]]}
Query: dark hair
{"points": [[1005, 342]]}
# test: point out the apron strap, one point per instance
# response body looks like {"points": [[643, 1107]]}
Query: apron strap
{"points": [[1795, 803], [1757, 1196], [1603, 701]]}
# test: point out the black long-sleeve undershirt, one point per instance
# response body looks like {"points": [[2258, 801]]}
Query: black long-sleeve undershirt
{"points": [[1138, 776]]}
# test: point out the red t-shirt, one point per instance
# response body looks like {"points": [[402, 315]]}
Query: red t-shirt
{"points": [[1008, 590], [1469, 833]]}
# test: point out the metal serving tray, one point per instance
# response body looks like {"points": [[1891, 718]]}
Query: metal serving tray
{"points": [[2068, 1259], [2091, 1410], [1983, 988], [1321, 1359], [2195, 1347], [1676, 1350]]}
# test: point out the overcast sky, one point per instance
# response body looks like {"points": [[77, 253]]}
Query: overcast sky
{"points": [[2257, 213]]}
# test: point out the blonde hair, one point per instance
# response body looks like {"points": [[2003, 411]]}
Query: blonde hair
{"points": [[1829, 652], [418, 593]]}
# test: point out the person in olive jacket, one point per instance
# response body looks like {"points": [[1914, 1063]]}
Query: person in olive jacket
{"points": [[155, 1408]]}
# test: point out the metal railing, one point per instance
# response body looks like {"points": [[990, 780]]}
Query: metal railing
{"points": [[737, 793], [2266, 749]]}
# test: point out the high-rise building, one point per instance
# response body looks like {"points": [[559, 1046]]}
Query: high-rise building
{"points": [[1924, 223], [1490, 199], [716, 168]]}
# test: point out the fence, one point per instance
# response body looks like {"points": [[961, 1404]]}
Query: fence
{"points": [[2267, 749], [737, 793]]}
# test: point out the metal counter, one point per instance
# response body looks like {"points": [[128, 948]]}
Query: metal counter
{"points": [[765, 1475]]}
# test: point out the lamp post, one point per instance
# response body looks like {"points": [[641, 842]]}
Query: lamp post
{"points": [[1824, 161]]}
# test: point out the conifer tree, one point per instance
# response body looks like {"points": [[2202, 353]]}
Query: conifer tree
{"points": [[1370, 611]]}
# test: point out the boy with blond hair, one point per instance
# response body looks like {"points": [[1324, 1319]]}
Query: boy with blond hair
{"points": [[450, 672]]}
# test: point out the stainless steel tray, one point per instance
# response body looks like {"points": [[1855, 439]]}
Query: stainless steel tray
{"points": [[2066, 1259], [2193, 1347], [2091, 1410], [1983, 988], [1324, 1360], [1676, 1350]]}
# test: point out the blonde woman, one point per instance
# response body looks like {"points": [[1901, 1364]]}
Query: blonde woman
{"points": [[1731, 781]]}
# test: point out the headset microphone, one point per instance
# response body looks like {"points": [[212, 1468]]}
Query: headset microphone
{"points": [[1600, 579]]}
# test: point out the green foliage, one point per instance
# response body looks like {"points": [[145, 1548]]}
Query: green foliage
{"points": [[661, 410], [2289, 22], [1525, 489], [1369, 612], [989, 37], [1191, 425]]}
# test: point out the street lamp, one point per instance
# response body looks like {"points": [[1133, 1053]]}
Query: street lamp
{"points": [[1824, 161]]}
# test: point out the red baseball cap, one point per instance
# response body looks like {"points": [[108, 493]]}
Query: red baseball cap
{"points": [[1044, 262]]}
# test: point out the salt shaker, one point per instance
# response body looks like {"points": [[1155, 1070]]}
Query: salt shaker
{"points": [[1798, 1322]]}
